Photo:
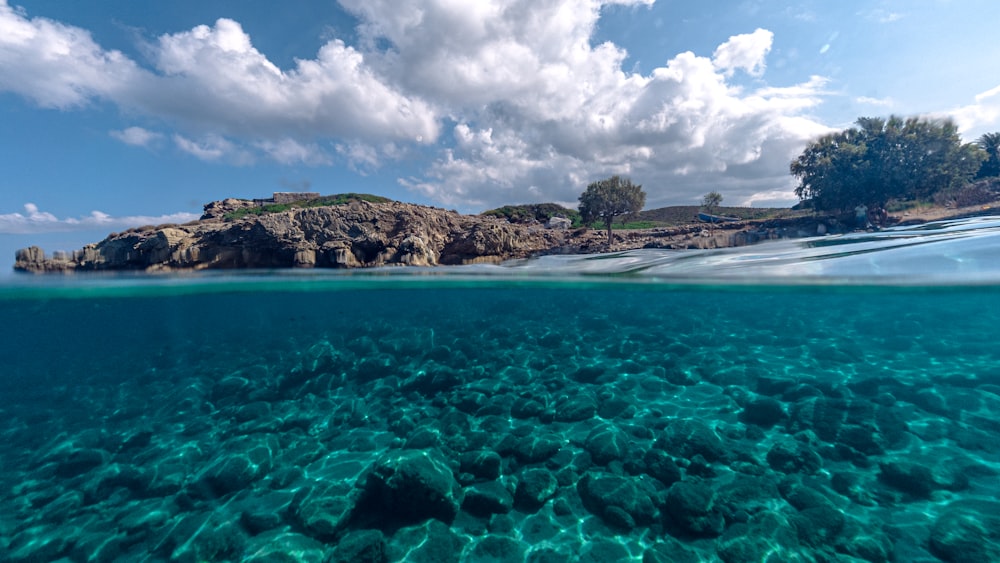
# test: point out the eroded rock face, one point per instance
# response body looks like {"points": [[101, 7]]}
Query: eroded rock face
{"points": [[359, 234]]}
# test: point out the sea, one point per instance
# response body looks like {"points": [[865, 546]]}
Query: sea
{"points": [[828, 399]]}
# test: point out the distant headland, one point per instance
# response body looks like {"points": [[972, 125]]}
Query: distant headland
{"points": [[308, 230]]}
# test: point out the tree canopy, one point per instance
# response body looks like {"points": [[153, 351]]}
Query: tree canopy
{"points": [[711, 201], [882, 159], [606, 199], [990, 142]]}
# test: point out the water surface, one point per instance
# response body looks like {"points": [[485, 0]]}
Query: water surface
{"points": [[829, 399]]}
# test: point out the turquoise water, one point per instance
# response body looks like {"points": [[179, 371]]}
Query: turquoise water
{"points": [[834, 399]]}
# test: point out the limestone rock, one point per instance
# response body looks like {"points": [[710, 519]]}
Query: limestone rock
{"points": [[408, 486], [359, 234]]}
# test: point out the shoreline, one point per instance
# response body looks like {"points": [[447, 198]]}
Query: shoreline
{"points": [[370, 235]]}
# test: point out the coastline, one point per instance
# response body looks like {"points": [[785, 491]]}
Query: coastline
{"points": [[363, 235]]}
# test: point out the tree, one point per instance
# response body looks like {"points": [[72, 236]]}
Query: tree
{"points": [[990, 142], [606, 199], [882, 159], [711, 202]]}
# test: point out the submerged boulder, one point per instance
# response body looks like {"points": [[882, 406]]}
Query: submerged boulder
{"points": [[408, 487]]}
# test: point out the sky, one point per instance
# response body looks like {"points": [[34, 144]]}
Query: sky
{"points": [[118, 113]]}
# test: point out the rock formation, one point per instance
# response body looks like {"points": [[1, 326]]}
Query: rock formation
{"points": [[358, 234], [361, 234]]}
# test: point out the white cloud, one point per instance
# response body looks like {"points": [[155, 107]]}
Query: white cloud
{"points": [[211, 78], [214, 148], [34, 221], [979, 117], [136, 136], [57, 65], [290, 151], [534, 110], [362, 157], [881, 102], [881, 16], [746, 52]]}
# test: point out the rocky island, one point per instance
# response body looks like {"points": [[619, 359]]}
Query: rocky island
{"points": [[360, 233]]}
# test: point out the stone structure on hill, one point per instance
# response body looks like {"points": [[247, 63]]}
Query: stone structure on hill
{"points": [[361, 234]]}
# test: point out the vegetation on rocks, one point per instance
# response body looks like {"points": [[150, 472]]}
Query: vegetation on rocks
{"points": [[540, 212], [338, 199], [609, 198], [880, 160]]}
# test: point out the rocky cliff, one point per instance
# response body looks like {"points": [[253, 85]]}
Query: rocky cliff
{"points": [[358, 234], [363, 234]]}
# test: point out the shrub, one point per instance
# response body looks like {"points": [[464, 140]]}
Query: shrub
{"points": [[324, 201]]}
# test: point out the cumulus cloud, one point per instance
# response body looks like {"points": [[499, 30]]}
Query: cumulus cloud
{"points": [[136, 136], [541, 111], [290, 151], [746, 52], [511, 100], [56, 65], [981, 116], [881, 102], [214, 148], [35, 221], [211, 78]]}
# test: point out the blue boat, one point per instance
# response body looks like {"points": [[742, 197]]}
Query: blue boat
{"points": [[709, 218]]}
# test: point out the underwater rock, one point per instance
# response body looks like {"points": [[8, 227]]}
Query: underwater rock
{"points": [[919, 480], [534, 488], [325, 511], [669, 550], [361, 546], [588, 374], [235, 472], [276, 547], [37, 544], [408, 486], [758, 540], [498, 549], [201, 537], [524, 407], [857, 487], [623, 502], [662, 467], [484, 499], [535, 449], [819, 526], [745, 495], [967, 532], [688, 437], [604, 550], [431, 542], [792, 456], [763, 411], [77, 462], [606, 443], [483, 464], [575, 408], [690, 507]]}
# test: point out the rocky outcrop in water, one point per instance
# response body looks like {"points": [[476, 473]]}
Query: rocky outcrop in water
{"points": [[363, 234], [359, 234]]}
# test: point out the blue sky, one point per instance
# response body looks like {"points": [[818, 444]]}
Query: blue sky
{"points": [[117, 113]]}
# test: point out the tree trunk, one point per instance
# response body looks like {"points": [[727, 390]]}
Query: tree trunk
{"points": [[610, 236]]}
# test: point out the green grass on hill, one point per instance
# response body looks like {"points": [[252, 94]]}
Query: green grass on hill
{"points": [[323, 201], [540, 212], [672, 216]]}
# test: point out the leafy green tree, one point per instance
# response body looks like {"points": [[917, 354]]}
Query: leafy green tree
{"points": [[882, 159], [606, 199], [990, 142], [711, 202]]}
